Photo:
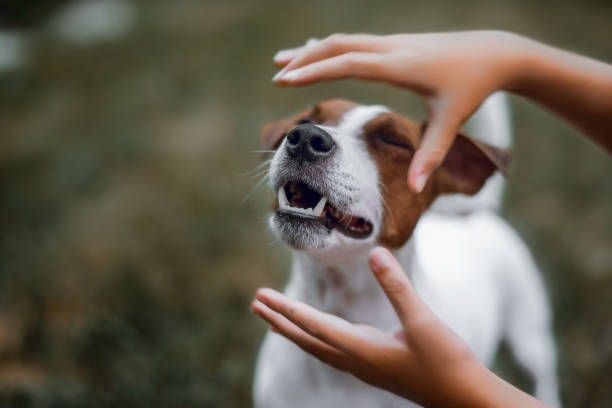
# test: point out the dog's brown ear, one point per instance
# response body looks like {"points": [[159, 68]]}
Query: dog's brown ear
{"points": [[272, 134], [468, 164]]}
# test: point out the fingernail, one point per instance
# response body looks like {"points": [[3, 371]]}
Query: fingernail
{"points": [[419, 184], [254, 305], [260, 294], [292, 75], [380, 259], [278, 75], [283, 55], [264, 294]]}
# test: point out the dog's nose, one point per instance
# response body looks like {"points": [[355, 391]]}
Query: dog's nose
{"points": [[309, 142]]}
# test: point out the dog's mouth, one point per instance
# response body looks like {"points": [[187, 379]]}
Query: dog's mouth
{"points": [[300, 202]]}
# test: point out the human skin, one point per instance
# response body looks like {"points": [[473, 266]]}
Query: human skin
{"points": [[425, 361], [454, 73]]}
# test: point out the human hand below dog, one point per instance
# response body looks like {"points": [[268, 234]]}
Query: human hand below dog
{"points": [[425, 361], [454, 73]]}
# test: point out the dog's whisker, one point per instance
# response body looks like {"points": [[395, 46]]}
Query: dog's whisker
{"points": [[261, 173], [263, 221], [349, 222], [256, 189], [386, 207], [258, 168], [255, 170], [383, 201], [374, 202], [270, 243]]}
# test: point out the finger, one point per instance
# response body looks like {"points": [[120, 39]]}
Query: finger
{"points": [[439, 135], [359, 65], [396, 285], [283, 57], [330, 329], [334, 45], [311, 345]]}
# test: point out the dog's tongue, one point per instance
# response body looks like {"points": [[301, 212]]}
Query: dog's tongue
{"points": [[347, 222]]}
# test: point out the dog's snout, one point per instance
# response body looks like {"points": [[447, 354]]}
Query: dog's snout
{"points": [[309, 142]]}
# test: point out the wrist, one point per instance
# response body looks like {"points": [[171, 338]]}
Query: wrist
{"points": [[517, 57], [466, 384]]}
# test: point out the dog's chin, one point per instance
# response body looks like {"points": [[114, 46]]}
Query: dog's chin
{"points": [[305, 233], [300, 233]]}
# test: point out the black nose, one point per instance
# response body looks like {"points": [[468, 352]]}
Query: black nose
{"points": [[309, 142]]}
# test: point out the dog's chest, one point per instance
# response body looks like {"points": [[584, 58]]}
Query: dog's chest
{"points": [[348, 290]]}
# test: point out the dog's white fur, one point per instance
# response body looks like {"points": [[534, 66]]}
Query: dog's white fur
{"points": [[471, 269]]}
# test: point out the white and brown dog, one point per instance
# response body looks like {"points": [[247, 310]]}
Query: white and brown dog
{"points": [[339, 171]]}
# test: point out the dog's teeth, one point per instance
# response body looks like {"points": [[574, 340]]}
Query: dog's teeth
{"points": [[318, 210], [284, 203], [282, 198]]}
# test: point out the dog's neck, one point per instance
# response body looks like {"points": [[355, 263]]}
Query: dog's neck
{"points": [[343, 284]]}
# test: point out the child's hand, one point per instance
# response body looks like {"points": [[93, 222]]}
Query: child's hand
{"points": [[453, 72]]}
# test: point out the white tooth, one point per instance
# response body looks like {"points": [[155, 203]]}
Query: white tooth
{"points": [[282, 198], [318, 210]]}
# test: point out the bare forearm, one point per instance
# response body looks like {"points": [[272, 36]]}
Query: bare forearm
{"points": [[577, 88], [483, 389]]}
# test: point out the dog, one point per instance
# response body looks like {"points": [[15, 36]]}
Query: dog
{"points": [[339, 173]]}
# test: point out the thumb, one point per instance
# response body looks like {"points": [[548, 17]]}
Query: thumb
{"points": [[396, 285], [437, 140]]}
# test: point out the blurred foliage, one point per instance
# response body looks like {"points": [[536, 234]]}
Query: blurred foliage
{"points": [[128, 253], [19, 13]]}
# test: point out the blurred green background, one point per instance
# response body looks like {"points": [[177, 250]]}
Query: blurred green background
{"points": [[129, 251]]}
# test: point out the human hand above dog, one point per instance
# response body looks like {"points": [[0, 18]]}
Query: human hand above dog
{"points": [[425, 361], [454, 73]]}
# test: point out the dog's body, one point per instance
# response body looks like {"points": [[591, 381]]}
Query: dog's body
{"points": [[465, 261]]}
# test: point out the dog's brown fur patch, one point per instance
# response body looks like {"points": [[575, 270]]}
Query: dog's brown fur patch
{"points": [[403, 207]]}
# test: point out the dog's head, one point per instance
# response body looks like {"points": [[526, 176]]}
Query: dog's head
{"points": [[339, 172]]}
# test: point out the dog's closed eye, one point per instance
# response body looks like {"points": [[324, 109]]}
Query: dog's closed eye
{"points": [[394, 141], [392, 133]]}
